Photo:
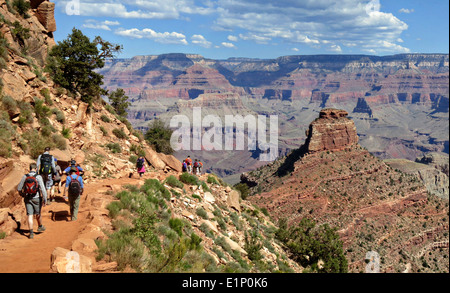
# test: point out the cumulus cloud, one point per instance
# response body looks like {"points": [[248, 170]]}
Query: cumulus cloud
{"points": [[228, 45], [232, 38], [313, 23], [326, 24], [155, 9], [164, 38], [201, 41], [102, 25]]}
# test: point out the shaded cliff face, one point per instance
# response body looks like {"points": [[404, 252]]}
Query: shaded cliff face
{"points": [[399, 103], [373, 206]]}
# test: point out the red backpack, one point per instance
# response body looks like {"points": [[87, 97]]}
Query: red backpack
{"points": [[30, 186]]}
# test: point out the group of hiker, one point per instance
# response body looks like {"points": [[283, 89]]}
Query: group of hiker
{"points": [[37, 187], [191, 167]]}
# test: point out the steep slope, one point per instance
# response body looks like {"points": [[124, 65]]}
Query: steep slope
{"points": [[202, 225], [373, 206]]}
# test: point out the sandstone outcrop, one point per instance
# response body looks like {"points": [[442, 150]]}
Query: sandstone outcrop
{"points": [[46, 14], [331, 132]]}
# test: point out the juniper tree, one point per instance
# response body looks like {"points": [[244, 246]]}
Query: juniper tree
{"points": [[73, 61]]}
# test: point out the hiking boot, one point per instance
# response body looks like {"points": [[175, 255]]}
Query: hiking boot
{"points": [[41, 228], [31, 235]]}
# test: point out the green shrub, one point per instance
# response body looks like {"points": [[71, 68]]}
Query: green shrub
{"points": [[243, 190], [189, 179], [105, 118], [177, 225], [104, 131], [308, 243], [9, 104], [45, 92], [253, 246], [6, 133], [59, 142], [114, 148], [40, 109], [158, 136], [212, 180], [36, 143], [133, 159], [201, 212], [66, 132], [119, 133], [22, 7], [174, 182], [119, 101]]}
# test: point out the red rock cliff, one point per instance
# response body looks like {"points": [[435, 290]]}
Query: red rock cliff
{"points": [[331, 131]]}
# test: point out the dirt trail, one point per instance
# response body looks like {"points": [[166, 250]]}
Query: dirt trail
{"points": [[19, 254]]}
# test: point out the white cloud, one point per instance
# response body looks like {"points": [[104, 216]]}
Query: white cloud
{"points": [[336, 48], [312, 22], [232, 38], [228, 45], [102, 25], [255, 37], [201, 41], [164, 38], [155, 9], [406, 10]]}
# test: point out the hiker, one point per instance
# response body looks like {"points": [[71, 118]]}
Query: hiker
{"points": [[73, 163], [189, 164], [184, 167], [57, 178], [75, 187], [33, 191], [140, 165], [198, 167], [46, 168]]}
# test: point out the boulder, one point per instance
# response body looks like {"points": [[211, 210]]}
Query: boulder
{"points": [[233, 200], [7, 224], [209, 198], [84, 245], [154, 159], [65, 261], [172, 162], [234, 245]]}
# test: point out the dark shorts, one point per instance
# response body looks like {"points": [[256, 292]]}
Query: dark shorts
{"points": [[33, 205]]}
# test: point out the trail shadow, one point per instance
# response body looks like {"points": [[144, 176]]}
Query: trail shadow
{"points": [[59, 215]]}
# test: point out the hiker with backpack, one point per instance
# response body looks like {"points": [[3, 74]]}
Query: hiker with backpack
{"points": [[198, 167], [184, 167], [33, 191], [57, 178], [188, 161], [46, 168], [75, 187], [140, 165], [73, 163]]}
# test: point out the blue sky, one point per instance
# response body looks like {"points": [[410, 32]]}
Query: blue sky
{"points": [[221, 29]]}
